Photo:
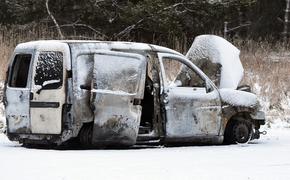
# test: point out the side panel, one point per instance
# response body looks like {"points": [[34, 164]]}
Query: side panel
{"points": [[118, 88], [192, 112], [17, 110], [117, 119], [83, 79]]}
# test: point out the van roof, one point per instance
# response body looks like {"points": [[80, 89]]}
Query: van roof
{"points": [[116, 45]]}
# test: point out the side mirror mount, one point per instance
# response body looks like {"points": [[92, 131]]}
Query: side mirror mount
{"points": [[208, 87]]}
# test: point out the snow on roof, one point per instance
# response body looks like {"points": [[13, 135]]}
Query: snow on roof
{"points": [[238, 98], [219, 50], [120, 45], [45, 45]]}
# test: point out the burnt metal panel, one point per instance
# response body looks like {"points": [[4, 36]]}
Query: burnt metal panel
{"points": [[116, 119], [118, 80], [190, 111], [17, 110]]}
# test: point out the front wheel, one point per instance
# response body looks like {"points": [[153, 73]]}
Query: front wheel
{"points": [[242, 132], [239, 132]]}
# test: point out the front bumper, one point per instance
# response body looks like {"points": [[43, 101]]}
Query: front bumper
{"points": [[258, 118]]}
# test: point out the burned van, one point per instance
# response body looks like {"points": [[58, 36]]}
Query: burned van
{"points": [[120, 94]]}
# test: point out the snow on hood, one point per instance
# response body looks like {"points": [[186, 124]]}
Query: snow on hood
{"points": [[238, 98], [218, 50]]}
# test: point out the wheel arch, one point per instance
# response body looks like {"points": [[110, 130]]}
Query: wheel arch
{"points": [[231, 112], [235, 117], [232, 115]]}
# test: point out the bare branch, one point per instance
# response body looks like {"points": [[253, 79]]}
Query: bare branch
{"points": [[238, 27], [54, 20], [81, 37], [176, 5], [128, 29], [98, 1], [86, 26]]}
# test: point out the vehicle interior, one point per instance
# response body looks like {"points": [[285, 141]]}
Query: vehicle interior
{"points": [[146, 124]]}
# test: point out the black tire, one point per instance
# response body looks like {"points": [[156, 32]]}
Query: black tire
{"points": [[242, 132], [238, 132], [85, 135]]}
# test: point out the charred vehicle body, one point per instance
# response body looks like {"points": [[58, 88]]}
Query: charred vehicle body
{"points": [[120, 94]]}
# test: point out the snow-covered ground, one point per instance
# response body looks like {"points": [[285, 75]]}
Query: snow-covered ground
{"points": [[267, 158]]}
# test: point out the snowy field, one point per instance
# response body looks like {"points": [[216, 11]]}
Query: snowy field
{"points": [[267, 158]]}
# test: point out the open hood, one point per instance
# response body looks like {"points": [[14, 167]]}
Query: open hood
{"points": [[219, 59]]}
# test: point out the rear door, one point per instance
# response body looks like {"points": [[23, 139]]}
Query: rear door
{"points": [[47, 92], [17, 93], [118, 88]]}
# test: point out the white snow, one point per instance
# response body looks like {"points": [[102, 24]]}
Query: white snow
{"points": [[50, 82], [165, 49], [238, 98], [35, 88], [219, 50], [106, 91], [267, 159], [2, 118]]}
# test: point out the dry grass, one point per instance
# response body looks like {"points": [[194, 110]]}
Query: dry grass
{"points": [[10, 37], [5, 52], [267, 70]]}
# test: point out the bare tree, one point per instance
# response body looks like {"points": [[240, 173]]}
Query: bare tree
{"points": [[54, 20], [286, 21]]}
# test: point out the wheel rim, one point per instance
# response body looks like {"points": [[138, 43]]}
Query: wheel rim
{"points": [[242, 133]]}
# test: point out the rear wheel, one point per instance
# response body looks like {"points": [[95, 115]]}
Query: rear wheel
{"points": [[85, 135]]}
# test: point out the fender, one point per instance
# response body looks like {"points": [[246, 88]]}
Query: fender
{"points": [[230, 111]]}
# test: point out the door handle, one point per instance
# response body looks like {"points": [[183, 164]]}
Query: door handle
{"points": [[41, 104], [86, 87]]}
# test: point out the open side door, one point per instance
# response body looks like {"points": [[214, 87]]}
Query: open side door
{"points": [[118, 89], [192, 106]]}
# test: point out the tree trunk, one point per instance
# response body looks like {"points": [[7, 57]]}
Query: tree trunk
{"points": [[286, 21]]}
